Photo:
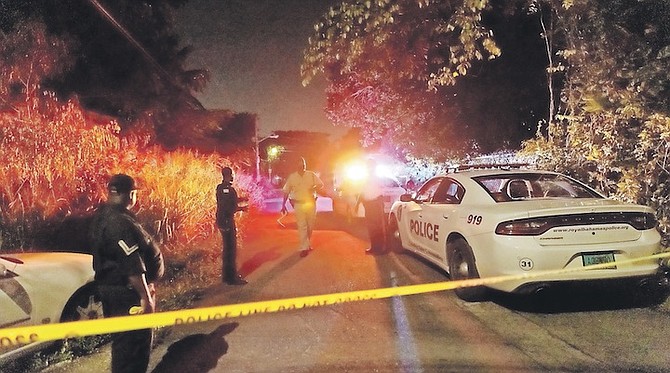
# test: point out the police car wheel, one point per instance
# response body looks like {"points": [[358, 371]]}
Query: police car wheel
{"points": [[462, 266], [394, 239], [85, 304]]}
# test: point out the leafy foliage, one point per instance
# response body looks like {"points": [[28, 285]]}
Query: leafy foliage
{"points": [[30, 54], [415, 77], [613, 122], [433, 41], [127, 69], [387, 60]]}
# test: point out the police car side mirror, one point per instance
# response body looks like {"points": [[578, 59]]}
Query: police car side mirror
{"points": [[406, 198]]}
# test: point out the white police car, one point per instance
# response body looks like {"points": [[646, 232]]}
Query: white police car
{"points": [[344, 201], [43, 288], [484, 223], [352, 178]]}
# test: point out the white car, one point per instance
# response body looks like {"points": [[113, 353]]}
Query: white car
{"points": [[43, 288], [485, 223], [344, 202]]}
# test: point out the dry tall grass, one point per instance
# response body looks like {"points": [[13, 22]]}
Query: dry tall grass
{"points": [[51, 161], [55, 162]]}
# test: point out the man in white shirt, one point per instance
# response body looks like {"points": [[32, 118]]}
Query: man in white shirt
{"points": [[301, 188]]}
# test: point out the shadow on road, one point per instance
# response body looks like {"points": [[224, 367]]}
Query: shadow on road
{"points": [[583, 298], [329, 221], [197, 353], [332, 221], [253, 263], [577, 296]]}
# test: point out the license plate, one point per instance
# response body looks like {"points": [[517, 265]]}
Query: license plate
{"points": [[598, 258]]}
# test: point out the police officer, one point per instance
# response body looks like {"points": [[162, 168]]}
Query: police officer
{"points": [[375, 218], [227, 204], [127, 263], [301, 189]]}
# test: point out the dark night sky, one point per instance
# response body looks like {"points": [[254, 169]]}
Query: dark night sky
{"points": [[253, 50]]}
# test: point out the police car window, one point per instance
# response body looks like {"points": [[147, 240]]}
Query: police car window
{"points": [[455, 192], [523, 186], [448, 192], [425, 194], [440, 195]]}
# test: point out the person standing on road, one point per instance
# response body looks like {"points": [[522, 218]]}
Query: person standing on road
{"points": [[375, 218], [127, 263], [301, 189], [227, 204]]}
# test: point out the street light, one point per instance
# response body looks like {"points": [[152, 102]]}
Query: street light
{"points": [[273, 154], [258, 155]]}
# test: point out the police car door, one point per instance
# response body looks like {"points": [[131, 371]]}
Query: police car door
{"points": [[439, 214], [420, 238]]}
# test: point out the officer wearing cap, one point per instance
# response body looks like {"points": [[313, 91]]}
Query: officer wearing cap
{"points": [[127, 263], [227, 204]]}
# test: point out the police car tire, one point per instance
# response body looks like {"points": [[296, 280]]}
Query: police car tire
{"points": [[394, 239], [462, 266], [85, 298]]}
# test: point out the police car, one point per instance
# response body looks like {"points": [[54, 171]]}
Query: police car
{"points": [[351, 179], [344, 201], [482, 223], [43, 288]]}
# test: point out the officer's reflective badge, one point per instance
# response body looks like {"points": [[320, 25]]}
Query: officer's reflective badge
{"points": [[226, 190], [126, 249]]}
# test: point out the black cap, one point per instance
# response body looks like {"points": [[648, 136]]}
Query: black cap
{"points": [[121, 183], [226, 171]]}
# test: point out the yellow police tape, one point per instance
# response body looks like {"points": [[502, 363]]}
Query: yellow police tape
{"points": [[50, 332]]}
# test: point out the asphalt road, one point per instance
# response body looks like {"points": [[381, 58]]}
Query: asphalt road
{"points": [[577, 330]]}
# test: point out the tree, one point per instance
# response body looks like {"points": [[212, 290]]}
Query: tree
{"points": [[613, 125], [436, 84], [111, 73], [387, 62], [29, 55]]}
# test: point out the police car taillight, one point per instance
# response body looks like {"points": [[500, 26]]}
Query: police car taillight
{"points": [[537, 226], [524, 227], [643, 221]]}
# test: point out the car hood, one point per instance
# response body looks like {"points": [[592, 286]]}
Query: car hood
{"points": [[72, 264]]}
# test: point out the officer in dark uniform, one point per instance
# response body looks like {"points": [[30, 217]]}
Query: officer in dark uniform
{"points": [[373, 201], [127, 263], [227, 204]]}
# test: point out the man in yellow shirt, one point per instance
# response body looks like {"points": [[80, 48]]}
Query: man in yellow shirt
{"points": [[301, 190]]}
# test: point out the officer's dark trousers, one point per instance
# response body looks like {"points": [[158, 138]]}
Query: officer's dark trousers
{"points": [[229, 257], [130, 350], [376, 222]]}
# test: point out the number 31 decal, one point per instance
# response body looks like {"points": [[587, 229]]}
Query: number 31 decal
{"points": [[474, 219]]}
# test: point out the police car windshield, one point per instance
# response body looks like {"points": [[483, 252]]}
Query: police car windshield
{"points": [[523, 186]]}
